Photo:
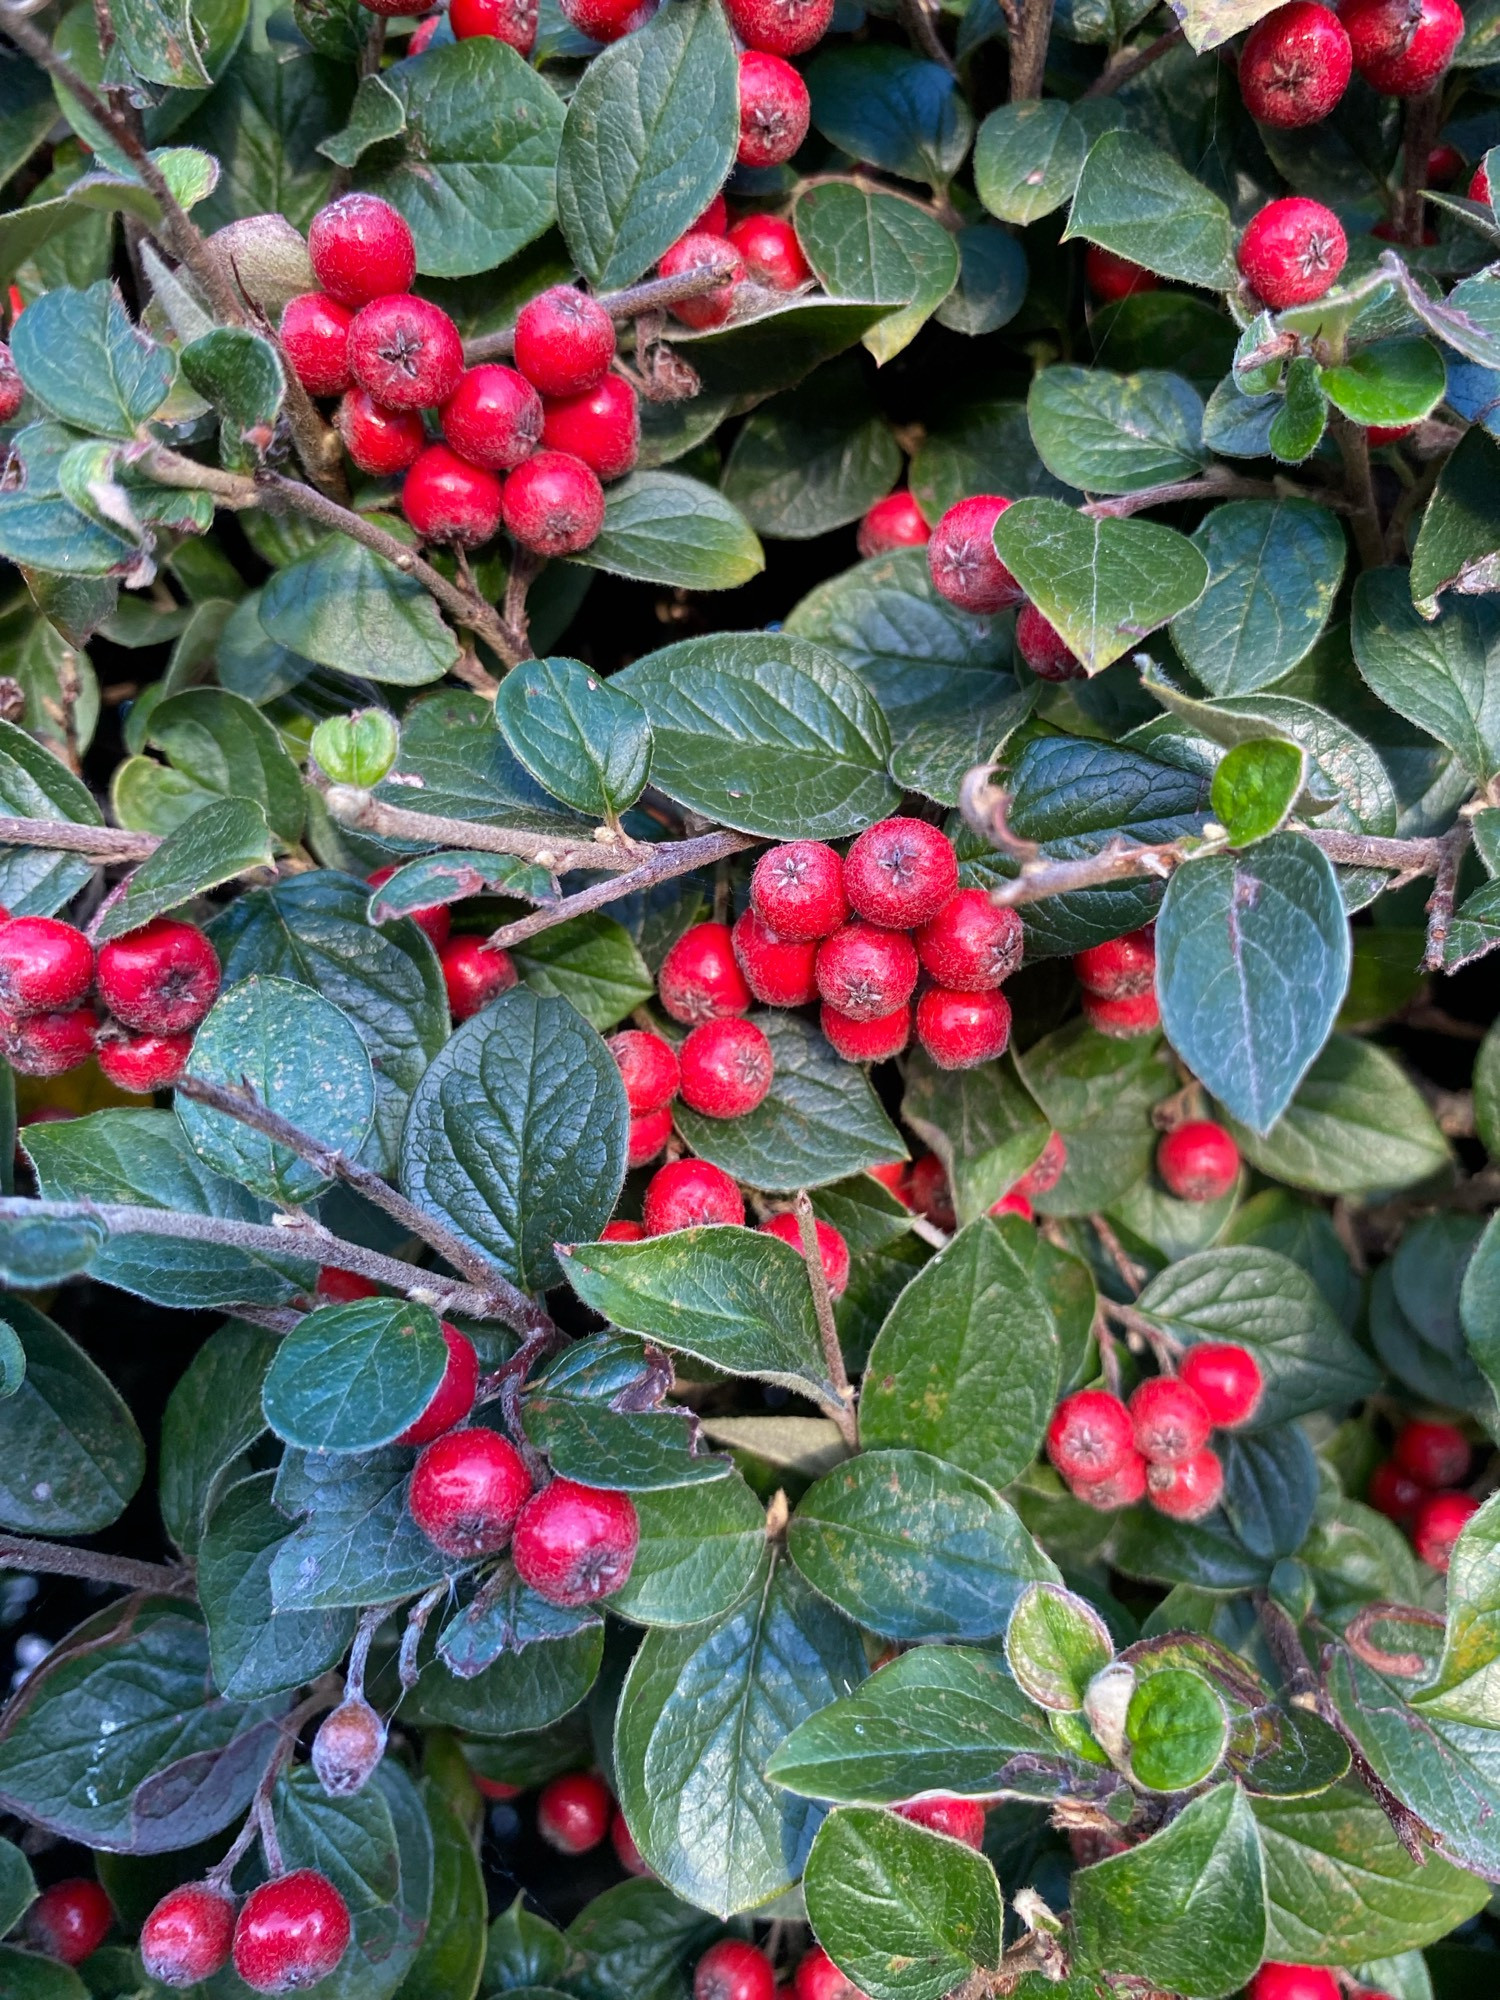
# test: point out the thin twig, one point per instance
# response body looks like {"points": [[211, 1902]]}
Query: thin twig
{"points": [[411, 1638], [648, 297], [671, 858], [1285, 1646], [841, 1404], [1216, 485], [1117, 74], [1452, 848], [1364, 514], [1134, 1274], [104, 843], [917, 19], [20, 1552], [1423, 116], [367, 814], [1030, 33]]}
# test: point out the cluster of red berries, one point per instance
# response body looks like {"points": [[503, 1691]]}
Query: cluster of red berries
{"points": [[155, 985], [1278, 1981], [1157, 1448], [524, 447], [474, 973], [1417, 1487], [733, 1969], [289, 1933], [1119, 985], [965, 569], [1296, 63], [759, 247]]}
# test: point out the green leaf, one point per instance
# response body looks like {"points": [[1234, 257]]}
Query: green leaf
{"points": [[1394, 382], [1177, 1730], [356, 1543], [1028, 157], [662, 527], [1270, 1489], [902, 114], [39, 1251], [357, 749], [650, 135], [1054, 1645], [34, 785], [516, 1137], [1098, 1094], [474, 169], [71, 1457], [966, 1366], [868, 245], [82, 358], [1104, 584], [377, 113], [1274, 569], [700, 1713], [1467, 1684], [452, 1955], [773, 349], [591, 962], [239, 372], [766, 734], [1436, 672], [523, 1948], [467, 770], [1116, 433], [915, 1549], [993, 274], [1134, 199], [28, 1977], [1297, 427], [978, 445], [1460, 532], [452, 876], [701, 1550], [1208, 23], [212, 847], [578, 735], [213, 1416], [159, 41], [633, 1940], [350, 1378], [902, 1911], [521, 1693], [599, 1414], [348, 608], [815, 459], [1422, 1328], [39, 525], [257, 1650], [506, 1616], [1479, 1312], [1255, 788], [17, 1886], [227, 747], [984, 1127]]}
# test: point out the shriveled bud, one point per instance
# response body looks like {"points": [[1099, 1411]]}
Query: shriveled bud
{"points": [[348, 1747]]}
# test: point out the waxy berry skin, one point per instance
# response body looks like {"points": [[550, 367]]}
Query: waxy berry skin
{"points": [[554, 504], [782, 27], [900, 872], [626, 1852], [970, 943], [647, 1136], [1394, 1493], [1112, 277], [1225, 1378], [45, 965], [622, 1231], [1170, 1423], [732, 1969], [1044, 649], [818, 1978], [700, 979], [344, 1287], [70, 1920], [466, 1492], [573, 1812], [1090, 1435], [291, 1932], [962, 1030], [1441, 1519], [575, 1544], [1279, 1981], [1122, 967], [422, 35], [1046, 1170], [773, 256], [608, 20], [865, 972], [1479, 186], [687, 1194], [494, 417], [961, 556], [797, 890], [1122, 1019], [436, 922], [775, 110], [1402, 47], [1123, 1488], [347, 1748], [406, 352], [1295, 65], [691, 253], [474, 975], [315, 338], [1198, 1161], [833, 1251], [161, 979], [48, 1044], [565, 342], [929, 1193], [510, 21], [453, 1398], [12, 388], [960, 1819], [1012, 1203], [143, 1063], [870, 1041], [188, 1935], [896, 522], [602, 427], [779, 972], [497, 1789], [361, 249], [1188, 1490], [1435, 1455], [648, 1067], [726, 1068], [448, 500], [1292, 251], [381, 442]]}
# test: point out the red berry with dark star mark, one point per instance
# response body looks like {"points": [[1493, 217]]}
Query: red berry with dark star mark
{"points": [[453, 1398], [448, 500], [435, 922], [647, 1137], [784, 27], [700, 978], [1188, 1490], [1198, 1161], [510, 21], [697, 251], [733, 1969], [1171, 1425], [565, 342], [575, 1544], [871, 1041], [291, 1932], [726, 1068], [187, 1936], [1122, 1019], [315, 338], [602, 427], [773, 256], [833, 1251], [361, 249], [1090, 1435], [1225, 1378], [1044, 648], [474, 975], [970, 944], [649, 1068], [896, 522], [798, 890], [161, 979], [573, 1812], [70, 1920], [143, 1063], [961, 556], [406, 352], [1124, 966], [960, 1819], [1441, 1519], [688, 1194], [46, 965], [1433, 1454], [466, 1492], [866, 972], [900, 872], [494, 417], [1112, 277], [381, 442], [1295, 65], [1395, 1493], [779, 972], [775, 110], [1402, 47], [962, 1030], [554, 504], [1291, 252]]}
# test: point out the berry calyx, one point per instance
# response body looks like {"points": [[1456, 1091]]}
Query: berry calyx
{"points": [[1044, 648], [797, 890], [12, 388], [961, 556], [380, 441], [510, 21], [865, 972], [773, 256], [1198, 1161], [347, 1748], [1046, 1170], [1225, 1378], [732, 1969], [1276, 1981], [623, 1842], [700, 978], [573, 1812], [1291, 252], [648, 1067], [1122, 966], [406, 352], [726, 1068], [778, 973], [474, 975], [960, 1819], [494, 417], [833, 1251], [565, 342], [871, 1041], [467, 1490], [1132, 1014], [315, 339], [1188, 1490], [554, 504], [291, 1932], [818, 1978], [143, 1063], [1122, 1488], [45, 966], [1170, 1423], [775, 110], [1394, 1493], [344, 1287], [1112, 277], [962, 1030], [453, 1398], [1441, 1519], [48, 1044], [361, 249], [1090, 1436], [782, 27], [1402, 47], [896, 522], [448, 500], [698, 251], [686, 1194], [188, 1935], [900, 872], [647, 1136], [575, 1544], [435, 922], [70, 1920], [161, 979], [622, 1232], [1295, 65], [1435, 1455], [929, 1193], [970, 944], [602, 427]]}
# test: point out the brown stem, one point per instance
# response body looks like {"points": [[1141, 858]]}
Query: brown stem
{"points": [[1216, 485], [374, 48], [1423, 116], [411, 1638], [920, 25], [104, 843], [647, 297], [525, 568], [92, 1565], [1405, 1666], [669, 859], [1134, 1274], [1354, 449], [1031, 31], [1285, 1646], [1117, 74], [1451, 849], [368, 814], [841, 1404]]}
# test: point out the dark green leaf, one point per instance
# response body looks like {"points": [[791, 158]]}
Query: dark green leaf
{"points": [[357, 1543], [1134, 199], [992, 279], [239, 372], [17, 1886], [451, 876], [1297, 426], [662, 527], [776, 348], [984, 1127], [1356, 1125], [521, 1692], [587, 742], [1270, 1487], [874, 246], [70, 1454], [1098, 1094], [216, 844], [256, 1649], [899, 112], [506, 1616], [600, 1414], [348, 608], [1436, 672], [1274, 568], [28, 1977], [522, 1949], [590, 962], [978, 446], [701, 1550], [452, 1955], [468, 770], [158, 39], [1456, 545], [213, 1416], [1115, 433], [814, 459], [83, 359], [1028, 157], [349, 1378], [36, 1251], [227, 747], [633, 1939], [39, 525]]}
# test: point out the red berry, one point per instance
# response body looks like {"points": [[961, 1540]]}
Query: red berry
{"points": [[45, 965], [865, 972], [1394, 1493], [1444, 165], [1293, 1982], [70, 1920], [784, 27], [48, 1044], [344, 1287], [622, 1232], [1441, 1519], [1389, 233], [649, 1133], [315, 339], [421, 37], [1121, 1489], [608, 20], [900, 872], [453, 1398], [775, 110], [602, 427], [1479, 186], [12, 388], [1295, 65], [292, 1931], [466, 1491], [687, 1194], [714, 221], [772, 254], [448, 500], [1225, 1378], [1090, 1435], [1014, 1204], [726, 1068], [187, 1936], [1046, 1170], [512, 21], [1198, 1161], [1124, 966], [733, 1970], [1292, 251], [970, 943], [573, 1812], [1111, 277], [1402, 47], [649, 1067], [697, 251], [818, 1978], [380, 441], [143, 1063], [575, 1544], [833, 1251], [554, 504], [961, 556], [962, 1030], [474, 975], [892, 1175], [1189, 1490], [347, 1748], [700, 979], [1044, 648], [406, 352], [1133, 1014], [361, 249], [867, 1041], [960, 1819], [162, 978], [797, 889], [929, 1192], [778, 973], [435, 922], [896, 522], [1379, 434], [494, 417], [626, 1852], [1433, 1454], [565, 342], [495, 1788], [1171, 1424]]}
